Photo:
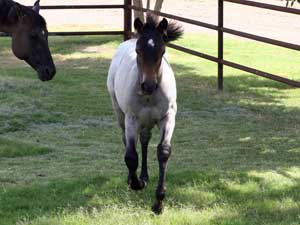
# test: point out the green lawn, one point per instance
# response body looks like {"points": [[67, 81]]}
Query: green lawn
{"points": [[236, 154]]}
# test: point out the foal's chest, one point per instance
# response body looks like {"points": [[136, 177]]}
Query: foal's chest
{"points": [[149, 115], [150, 109]]}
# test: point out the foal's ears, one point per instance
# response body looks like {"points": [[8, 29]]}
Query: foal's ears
{"points": [[36, 7], [138, 24], [163, 26]]}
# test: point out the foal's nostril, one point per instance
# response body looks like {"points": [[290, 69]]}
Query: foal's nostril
{"points": [[144, 86], [148, 88]]}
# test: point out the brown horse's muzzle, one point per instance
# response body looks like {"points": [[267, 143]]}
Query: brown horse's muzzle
{"points": [[46, 73]]}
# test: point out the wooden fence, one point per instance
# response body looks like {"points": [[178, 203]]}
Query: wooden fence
{"points": [[127, 7]]}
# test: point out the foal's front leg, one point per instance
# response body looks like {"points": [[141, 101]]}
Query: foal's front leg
{"points": [[131, 156], [145, 137], [166, 127]]}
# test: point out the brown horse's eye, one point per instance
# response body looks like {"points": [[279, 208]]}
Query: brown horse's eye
{"points": [[45, 34], [32, 36], [138, 52]]}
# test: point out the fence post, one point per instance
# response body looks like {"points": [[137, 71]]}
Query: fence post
{"points": [[127, 19], [220, 43]]}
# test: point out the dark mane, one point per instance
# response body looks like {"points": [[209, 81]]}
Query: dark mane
{"points": [[174, 30], [5, 6], [151, 21]]}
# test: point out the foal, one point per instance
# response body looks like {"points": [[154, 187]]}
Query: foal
{"points": [[142, 87], [29, 36]]}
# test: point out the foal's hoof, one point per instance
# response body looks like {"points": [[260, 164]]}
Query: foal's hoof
{"points": [[136, 184], [157, 208], [145, 178]]}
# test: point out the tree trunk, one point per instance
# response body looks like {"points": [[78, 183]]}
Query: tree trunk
{"points": [[148, 4], [139, 3], [158, 5], [138, 13]]}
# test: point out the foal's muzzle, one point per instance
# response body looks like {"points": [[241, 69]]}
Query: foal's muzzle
{"points": [[148, 87]]}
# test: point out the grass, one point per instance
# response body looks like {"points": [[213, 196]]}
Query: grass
{"points": [[235, 154], [12, 149]]}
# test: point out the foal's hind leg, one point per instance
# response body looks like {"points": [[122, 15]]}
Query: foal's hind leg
{"points": [[145, 137], [120, 117], [131, 156]]}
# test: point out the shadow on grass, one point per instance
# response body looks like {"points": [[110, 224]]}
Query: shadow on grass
{"points": [[76, 90], [74, 44], [251, 198]]}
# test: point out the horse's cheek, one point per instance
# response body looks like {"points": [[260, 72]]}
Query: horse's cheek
{"points": [[19, 47]]}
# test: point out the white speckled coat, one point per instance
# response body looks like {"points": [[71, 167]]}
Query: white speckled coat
{"points": [[142, 87], [124, 87]]}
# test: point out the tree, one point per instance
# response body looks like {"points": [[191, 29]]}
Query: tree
{"points": [[139, 3], [137, 13], [158, 5]]}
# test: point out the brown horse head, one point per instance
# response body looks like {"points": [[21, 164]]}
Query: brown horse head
{"points": [[30, 39], [150, 48]]}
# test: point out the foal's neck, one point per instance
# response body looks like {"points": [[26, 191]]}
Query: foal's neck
{"points": [[5, 6]]}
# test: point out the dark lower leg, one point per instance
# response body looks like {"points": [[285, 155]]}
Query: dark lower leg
{"points": [[163, 154], [131, 160], [144, 139]]}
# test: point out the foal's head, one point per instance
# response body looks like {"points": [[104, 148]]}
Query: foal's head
{"points": [[30, 39], [150, 48]]}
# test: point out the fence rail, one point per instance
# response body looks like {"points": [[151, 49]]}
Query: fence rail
{"points": [[79, 33], [82, 7], [221, 30], [266, 6], [127, 7]]}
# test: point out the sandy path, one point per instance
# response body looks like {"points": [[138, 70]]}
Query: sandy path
{"points": [[282, 26]]}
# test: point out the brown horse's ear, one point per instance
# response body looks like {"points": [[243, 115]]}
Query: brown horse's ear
{"points": [[36, 7], [138, 25], [15, 13], [163, 26]]}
